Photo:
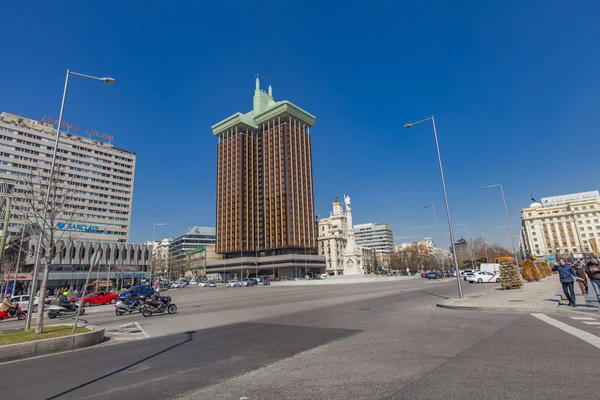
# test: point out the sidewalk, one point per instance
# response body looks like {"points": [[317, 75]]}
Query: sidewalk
{"points": [[539, 297]]}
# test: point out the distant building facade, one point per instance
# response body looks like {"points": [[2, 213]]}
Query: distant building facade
{"points": [[336, 242], [561, 225], [182, 249]]}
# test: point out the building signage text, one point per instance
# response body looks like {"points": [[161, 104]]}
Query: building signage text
{"points": [[75, 127], [570, 198], [78, 227]]}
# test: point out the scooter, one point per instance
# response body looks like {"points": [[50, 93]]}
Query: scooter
{"points": [[123, 308], [19, 314], [59, 311], [148, 308]]}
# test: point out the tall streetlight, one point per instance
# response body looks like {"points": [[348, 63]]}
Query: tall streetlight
{"points": [[470, 244], [437, 145], [512, 240], [108, 81], [487, 259], [153, 240], [437, 229]]}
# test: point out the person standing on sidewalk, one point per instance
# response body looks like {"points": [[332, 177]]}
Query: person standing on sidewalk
{"points": [[581, 279], [566, 274], [593, 272]]}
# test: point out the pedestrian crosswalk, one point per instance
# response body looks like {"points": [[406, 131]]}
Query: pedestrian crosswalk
{"points": [[583, 334], [587, 320]]}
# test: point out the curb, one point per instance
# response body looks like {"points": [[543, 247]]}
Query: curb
{"points": [[20, 351]]}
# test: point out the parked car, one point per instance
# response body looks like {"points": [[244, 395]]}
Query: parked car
{"points": [[100, 298], [211, 284], [434, 275], [249, 282], [203, 284], [145, 290], [424, 274], [483, 277], [233, 283], [466, 272], [23, 301]]}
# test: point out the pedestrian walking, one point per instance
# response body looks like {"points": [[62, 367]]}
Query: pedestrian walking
{"points": [[566, 274], [592, 269], [581, 278]]}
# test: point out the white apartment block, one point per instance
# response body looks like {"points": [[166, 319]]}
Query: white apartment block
{"points": [[100, 174], [378, 237], [562, 224]]}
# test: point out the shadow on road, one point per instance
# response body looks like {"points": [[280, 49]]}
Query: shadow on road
{"points": [[189, 339], [434, 294]]}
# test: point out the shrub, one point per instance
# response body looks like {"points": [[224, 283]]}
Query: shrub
{"points": [[509, 276], [530, 271]]}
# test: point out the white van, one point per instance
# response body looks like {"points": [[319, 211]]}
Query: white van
{"points": [[493, 268]]}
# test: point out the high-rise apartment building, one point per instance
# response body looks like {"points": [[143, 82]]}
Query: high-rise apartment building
{"points": [[378, 237], [264, 181], [100, 175]]}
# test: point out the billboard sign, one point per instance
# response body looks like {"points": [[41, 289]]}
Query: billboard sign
{"points": [[570, 198]]}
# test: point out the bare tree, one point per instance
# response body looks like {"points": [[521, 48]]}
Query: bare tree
{"points": [[53, 219]]}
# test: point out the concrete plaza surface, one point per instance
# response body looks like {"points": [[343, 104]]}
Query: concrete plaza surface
{"points": [[372, 341]]}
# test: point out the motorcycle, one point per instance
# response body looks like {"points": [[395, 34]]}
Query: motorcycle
{"points": [[19, 314], [59, 311], [122, 307], [148, 308]]}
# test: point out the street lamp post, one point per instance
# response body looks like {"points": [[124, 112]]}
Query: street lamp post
{"points": [[487, 259], [153, 241], [437, 145], [512, 241], [470, 245], [437, 229], [106, 80]]}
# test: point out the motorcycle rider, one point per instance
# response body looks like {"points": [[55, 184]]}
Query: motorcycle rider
{"points": [[8, 307], [64, 302], [156, 300], [130, 299]]}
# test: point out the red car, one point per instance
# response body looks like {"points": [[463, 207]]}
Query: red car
{"points": [[100, 298]]}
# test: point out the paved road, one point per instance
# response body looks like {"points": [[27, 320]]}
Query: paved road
{"points": [[379, 341]]}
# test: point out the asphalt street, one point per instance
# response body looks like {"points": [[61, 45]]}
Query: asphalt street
{"points": [[370, 341]]}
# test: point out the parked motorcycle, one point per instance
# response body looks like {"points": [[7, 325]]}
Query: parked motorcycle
{"points": [[58, 311], [148, 308], [19, 314], [122, 308]]}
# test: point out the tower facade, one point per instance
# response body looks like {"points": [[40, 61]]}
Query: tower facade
{"points": [[264, 180]]}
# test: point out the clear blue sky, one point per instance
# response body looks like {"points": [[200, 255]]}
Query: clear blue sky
{"points": [[514, 86]]}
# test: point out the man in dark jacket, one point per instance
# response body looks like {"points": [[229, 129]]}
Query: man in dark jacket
{"points": [[592, 269], [566, 274]]}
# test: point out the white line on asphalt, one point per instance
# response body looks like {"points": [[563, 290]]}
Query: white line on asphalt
{"points": [[583, 318], [583, 335], [143, 331], [591, 323]]}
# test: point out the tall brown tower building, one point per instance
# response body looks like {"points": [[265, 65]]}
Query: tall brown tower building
{"points": [[265, 203]]}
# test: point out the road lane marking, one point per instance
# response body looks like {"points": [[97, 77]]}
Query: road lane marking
{"points": [[583, 318], [583, 335], [143, 331], [591, 323]]}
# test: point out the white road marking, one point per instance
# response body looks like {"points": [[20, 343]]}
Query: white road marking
{"points": [[143, 331], [591, 323], [583, 335], [583, 318]]}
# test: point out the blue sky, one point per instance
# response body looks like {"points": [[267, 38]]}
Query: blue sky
{"points": [[514, 87]]}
